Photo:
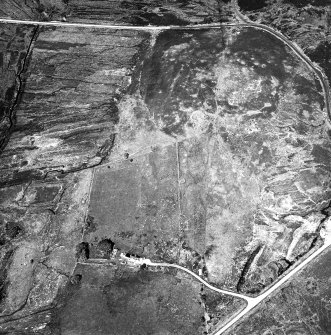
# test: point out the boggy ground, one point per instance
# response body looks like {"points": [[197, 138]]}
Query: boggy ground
{"points": [[119, 300], [205, 148]]}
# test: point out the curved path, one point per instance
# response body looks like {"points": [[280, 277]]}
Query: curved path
{"points": [[245, 23], [295, 48], [141, 261], [251, 302]]}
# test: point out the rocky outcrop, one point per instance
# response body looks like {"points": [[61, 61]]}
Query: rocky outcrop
{"points": [[16, 45], [77, 79]]}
